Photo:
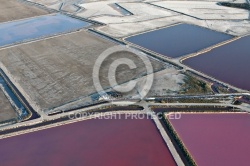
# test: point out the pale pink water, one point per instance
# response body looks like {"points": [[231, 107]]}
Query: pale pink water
{"points": [[216, 139]]}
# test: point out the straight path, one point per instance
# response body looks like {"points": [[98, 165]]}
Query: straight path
{"points": [[144, 104], [168, 141], [244, 108]]}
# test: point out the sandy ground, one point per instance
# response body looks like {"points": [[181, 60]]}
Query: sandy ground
{"points": [[12, 10], [121, 30], [142, 12], [204, 10], [98, 8], [6, 110], [55, 71], [151, 14], [46, 2], [150, 18], [52, 4], [171, 81], [166, 82]]}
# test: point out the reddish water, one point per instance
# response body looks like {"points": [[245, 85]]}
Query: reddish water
{"points": [[124, 142], [228, 63], [216, 139]]}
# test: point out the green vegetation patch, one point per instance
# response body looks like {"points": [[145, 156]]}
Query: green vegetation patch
{"points": [[195, 86]]}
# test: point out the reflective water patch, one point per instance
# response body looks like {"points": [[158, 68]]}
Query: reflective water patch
{"points": [[28, 29]]}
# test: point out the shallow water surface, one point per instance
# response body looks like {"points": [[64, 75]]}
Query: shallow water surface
{"points": [[28, 29], [178, 40], [14, 100]]}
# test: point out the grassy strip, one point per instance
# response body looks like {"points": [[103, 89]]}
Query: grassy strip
{"points": [[187, 100], [191, 107], [117, 108]]}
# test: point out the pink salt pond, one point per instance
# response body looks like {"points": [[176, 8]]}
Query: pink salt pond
{"points": [[215, 138], [104, 142]]}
